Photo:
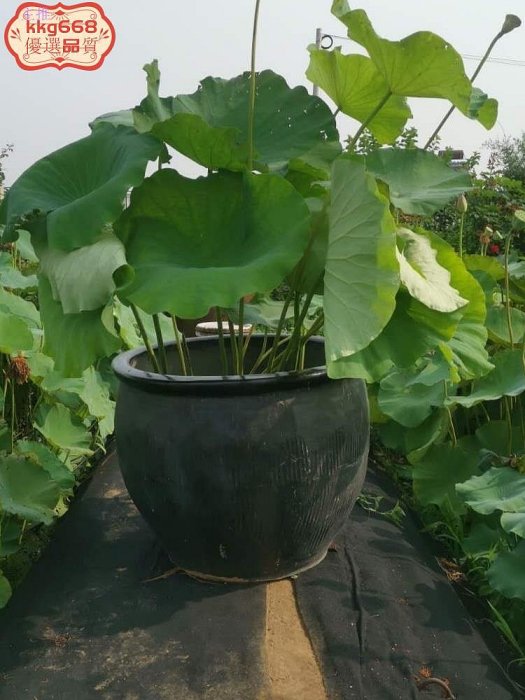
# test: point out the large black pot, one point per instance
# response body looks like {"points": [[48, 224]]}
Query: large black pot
{"points": [[241, 478]]}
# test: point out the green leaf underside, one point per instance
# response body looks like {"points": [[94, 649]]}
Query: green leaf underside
{"points": [[498, 324], [361, 276], [414, 329], [15, 334], [436, 475], [406, 401], [196, 244], [82, 186], [506, 379], [420, 183], [425, 279], [498, 489], [420, 65], [505, 575], [42, 455], [82, 280], [75, 341], [483, 108], [355, 85], [26, 490], [63, 430]]}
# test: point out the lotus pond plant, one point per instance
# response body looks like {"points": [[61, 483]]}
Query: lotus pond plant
{"points": [[282, 205]]}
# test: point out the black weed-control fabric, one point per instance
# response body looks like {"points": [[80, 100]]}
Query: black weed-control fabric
{"points": [[379, 611], [87, 623]]}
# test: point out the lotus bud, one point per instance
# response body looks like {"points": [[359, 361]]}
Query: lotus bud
{"points": [[511, 22], [498, 236], [461, 204]]}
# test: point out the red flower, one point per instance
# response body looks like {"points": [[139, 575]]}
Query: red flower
{"points": [[494, 249]]}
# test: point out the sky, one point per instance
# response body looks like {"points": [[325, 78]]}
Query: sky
{"points": [[43, 110]]}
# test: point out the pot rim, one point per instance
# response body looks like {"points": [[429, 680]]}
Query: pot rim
{"points": [[126, 372]]}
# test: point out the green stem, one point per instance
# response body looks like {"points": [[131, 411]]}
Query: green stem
{"points": [[472, 79], [352, 144], [13, 414], [452, 429], [145, 338], [280, 326], [262, 357], [163, 360], [461, 227], [233, 346], [262, 352], [222, 344], [186, 350], [240, 339], [508, 419], [507, 289], [294, 343], [180, 349], [253, 80]]}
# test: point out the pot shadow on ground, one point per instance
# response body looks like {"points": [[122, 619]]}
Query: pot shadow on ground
{"points": [[86, 620]]}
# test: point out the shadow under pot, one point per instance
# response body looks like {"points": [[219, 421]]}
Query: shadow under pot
{"points": [[241, 478]]}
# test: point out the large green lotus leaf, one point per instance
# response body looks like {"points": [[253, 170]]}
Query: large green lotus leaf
{"points": [[23, 309], [24, 247], [494, 436], [419, 440], [505, 574], [481, 540], [420, 65], [27, 490], [63, 430], [514, 523], [407, 401], [82, 186], [11, 277], [11, 534], [506, 379], [129, 332], [91, 389], [499, 488], [75, 341], [420, 183], [82, 280], [5, 591], [467, 347], [483, 108], [425, 279], [195, 244], [484, 263], [153, 108], [436, 475], [15, 335], [123, 117], [356, 86], [362, 273], [42, 455], [413, 330], [288, 123], [498, 324], [211, 147], [309, 272]]}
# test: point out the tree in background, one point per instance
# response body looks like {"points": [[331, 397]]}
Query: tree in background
{"points": [[4, 152], [507, 157]]}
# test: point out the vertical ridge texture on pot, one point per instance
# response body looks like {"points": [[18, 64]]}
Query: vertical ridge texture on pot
{"points": [[251, 485]]}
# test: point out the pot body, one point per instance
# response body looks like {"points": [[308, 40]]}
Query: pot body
{"points": [[241, 479]]}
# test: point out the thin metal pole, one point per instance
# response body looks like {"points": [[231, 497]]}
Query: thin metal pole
{"points": [[318, 40]]}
